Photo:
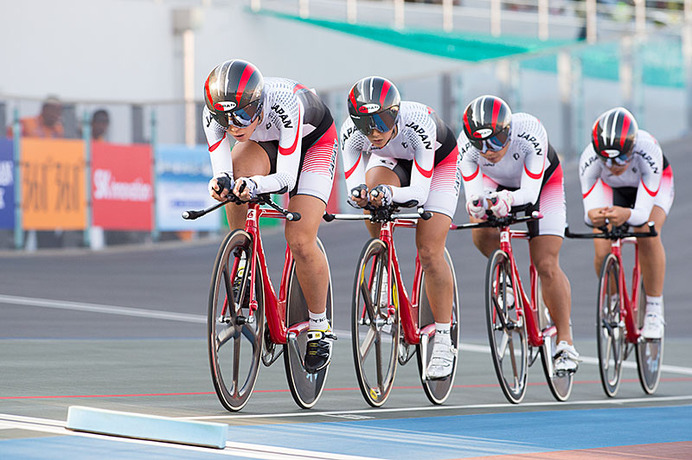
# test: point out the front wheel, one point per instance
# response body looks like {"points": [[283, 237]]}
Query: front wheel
{"points": [[506, 328], [234, 331], [438, 390], [560, 384], [305, 387], [375, 324], [649, 352], [610, 326]]}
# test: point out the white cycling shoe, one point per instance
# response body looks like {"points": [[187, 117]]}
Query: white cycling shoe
{"points": [[566, 359], [653, 326], [441, 361]]}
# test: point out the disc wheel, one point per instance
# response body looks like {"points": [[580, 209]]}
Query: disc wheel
{"points": [[234, 333], [305, 387], [610, 326], [506, 329], [649, 352], [560, 384], [374, 325]]}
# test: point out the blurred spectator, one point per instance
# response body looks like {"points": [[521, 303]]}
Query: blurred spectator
{"points": [[45, 124], [99, 125]]}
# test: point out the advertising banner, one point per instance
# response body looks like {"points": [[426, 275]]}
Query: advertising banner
{"points": [[53, 184], [182, 175], [122, 192], [6, 183]]}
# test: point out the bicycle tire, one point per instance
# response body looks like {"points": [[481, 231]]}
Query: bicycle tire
{"points": [[649, 352], [610, 326], [560, 385], [505, 327], [375, 329], [234, 337], [438, 390], [306, 388]]}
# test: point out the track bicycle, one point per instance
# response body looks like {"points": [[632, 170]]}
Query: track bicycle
{"points": [[387, 326], [248, 322], [519, 324], [620, 313]]}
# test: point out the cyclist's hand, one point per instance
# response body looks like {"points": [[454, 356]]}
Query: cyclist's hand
{"points": [[475, 206], [381, 196], [245, 188], [359, 196], [220, 187], [617, 215], [597, 216], [500, 202]]}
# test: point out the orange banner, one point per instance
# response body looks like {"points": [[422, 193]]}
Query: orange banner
{"points": [[53, 184]]}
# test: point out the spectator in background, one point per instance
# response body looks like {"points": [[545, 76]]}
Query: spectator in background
{"points": [[100, 121], [46, 124]]}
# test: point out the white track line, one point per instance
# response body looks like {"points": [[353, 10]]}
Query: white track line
{"points": [[184, 317], [570, 404]]}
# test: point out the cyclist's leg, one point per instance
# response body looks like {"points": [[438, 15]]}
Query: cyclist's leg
{"points": [[545, 251], [652, 255], [431, 236], [249, 159], [487, 240]]}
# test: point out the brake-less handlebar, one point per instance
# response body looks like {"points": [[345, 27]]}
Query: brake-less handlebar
{"points": [[261, 199], [614, 233]]}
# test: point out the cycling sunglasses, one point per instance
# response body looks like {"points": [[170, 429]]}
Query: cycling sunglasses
{"points": [[613, 157], [382, 121], [244, 117], [493, 144]]}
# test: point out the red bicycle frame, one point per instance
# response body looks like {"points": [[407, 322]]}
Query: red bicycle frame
{"points": [[408, 308], [631, 303], [275, 307]]}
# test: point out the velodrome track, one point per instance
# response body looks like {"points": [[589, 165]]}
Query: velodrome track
{"points": [[123, 329]]}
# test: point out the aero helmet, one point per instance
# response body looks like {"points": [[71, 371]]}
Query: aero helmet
{"points": [[487, 122], [234, 92], [614, 134], [373, 103]]}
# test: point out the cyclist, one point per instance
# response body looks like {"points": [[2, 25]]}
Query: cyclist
{"points": [[507, 161], [401, 152], [625, 178], [286, 141]]}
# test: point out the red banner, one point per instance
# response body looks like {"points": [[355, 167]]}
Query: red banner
{"points": [[121, 186]]}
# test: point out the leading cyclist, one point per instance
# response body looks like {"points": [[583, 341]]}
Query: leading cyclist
{"points": [[625, 178], [404, 153], [286, 141], [507, 161]]}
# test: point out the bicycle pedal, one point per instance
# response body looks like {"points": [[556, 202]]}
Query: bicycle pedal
{"points": [[240, 320]]}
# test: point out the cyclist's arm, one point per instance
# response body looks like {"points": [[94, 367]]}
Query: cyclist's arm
{"points": [[651, 166], [353, 156], [592, 187], [219, 145], [423, 141], [470, 168], [535, 163], [290, 151]]}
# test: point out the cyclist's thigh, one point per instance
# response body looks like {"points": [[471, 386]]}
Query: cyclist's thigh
{"points": [[311, 210], [319, 165], [552, 206], [444, 188], [250, 159], [658, 217], [545, 251], [666, 192], [383, 170], [431, 234]]}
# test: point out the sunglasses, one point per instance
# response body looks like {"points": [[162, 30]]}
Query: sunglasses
{"points": [[493, 144], [241, 118], [382, 121], [613, 157]]}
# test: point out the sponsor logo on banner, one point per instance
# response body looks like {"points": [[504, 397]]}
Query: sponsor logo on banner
{"points": [[122, 189], [106, 187], [6, 184]]}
